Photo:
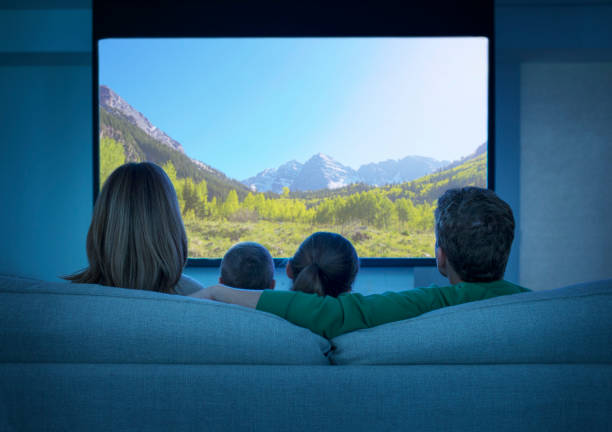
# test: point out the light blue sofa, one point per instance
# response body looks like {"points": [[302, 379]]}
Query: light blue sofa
{"points": [[93, 358]]}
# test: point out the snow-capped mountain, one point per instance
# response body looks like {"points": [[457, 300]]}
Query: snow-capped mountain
{"points": [[323, 172], [398, 171], [275, 180], [319, 172], [116, 105]]}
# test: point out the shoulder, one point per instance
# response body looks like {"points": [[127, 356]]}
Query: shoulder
{"points": [[507, 287], [489, 289], [187, 285]]}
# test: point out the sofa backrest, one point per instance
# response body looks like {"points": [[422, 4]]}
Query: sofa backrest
{"points": [[80, 323], [566, 325]]}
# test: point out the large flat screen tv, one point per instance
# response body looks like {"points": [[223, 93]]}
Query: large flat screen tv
{"points": [[270, 137]]}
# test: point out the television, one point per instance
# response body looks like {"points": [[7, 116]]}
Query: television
{"points": [[271, 131]]}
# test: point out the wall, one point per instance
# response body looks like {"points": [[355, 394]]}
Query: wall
{"points": [[46, 169], [369, 281], [566, 160], [45, 134], [554, 105]]}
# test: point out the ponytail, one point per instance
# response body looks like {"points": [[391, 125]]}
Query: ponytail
{"points": [[324, 264], [309, 280]]}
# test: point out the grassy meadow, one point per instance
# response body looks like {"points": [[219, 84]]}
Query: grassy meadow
{"points": [[212, 238], [389, 221]]}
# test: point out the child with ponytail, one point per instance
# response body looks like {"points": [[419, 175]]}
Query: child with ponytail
{"points": [[325, 264]]}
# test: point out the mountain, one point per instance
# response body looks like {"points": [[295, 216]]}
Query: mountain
{"points": [[398, 171], [323, 172], [469, 171], [116, 105], [275, 180], [142, 140], [480, 150], [139, 145], [319, 172]]}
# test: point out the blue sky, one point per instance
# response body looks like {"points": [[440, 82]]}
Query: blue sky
{"points": [[243, 105]]}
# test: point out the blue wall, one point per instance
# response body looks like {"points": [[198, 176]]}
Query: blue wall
{"points": [[46, 135], [550, 32], [46, 159]]}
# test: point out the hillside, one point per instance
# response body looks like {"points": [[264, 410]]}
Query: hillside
{"points": [[138, 146], [470, 172]]}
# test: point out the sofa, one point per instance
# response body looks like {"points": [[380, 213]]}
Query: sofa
{"points": [[77, 357]]}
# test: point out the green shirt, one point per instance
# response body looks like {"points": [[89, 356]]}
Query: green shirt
{"points": [[331, 317]]}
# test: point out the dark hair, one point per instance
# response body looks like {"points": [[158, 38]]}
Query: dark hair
{"points": [[325, 263], [475, 229], [136, 238], [247, 265]]}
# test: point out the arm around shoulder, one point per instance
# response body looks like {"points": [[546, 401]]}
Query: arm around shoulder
{"points": [[225, 294]]}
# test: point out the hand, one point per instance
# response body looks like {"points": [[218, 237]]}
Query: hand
{"points": [[205, 293]]}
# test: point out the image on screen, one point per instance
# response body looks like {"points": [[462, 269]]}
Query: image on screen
{"points": [[272, 139]]}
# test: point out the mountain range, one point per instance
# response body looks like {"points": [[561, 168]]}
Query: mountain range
{"points": [[144, 141], [323, 172]]}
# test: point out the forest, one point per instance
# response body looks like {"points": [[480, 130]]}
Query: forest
{"points": [[390, 221]]}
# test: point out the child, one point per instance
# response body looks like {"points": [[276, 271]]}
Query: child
{"points": [[474, 230], [325, 264], [248, 265]]}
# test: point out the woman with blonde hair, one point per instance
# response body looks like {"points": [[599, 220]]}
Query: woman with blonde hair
{"points": [[136, 238]]}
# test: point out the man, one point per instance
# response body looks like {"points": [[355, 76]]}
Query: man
{"points": [[474, 232]]}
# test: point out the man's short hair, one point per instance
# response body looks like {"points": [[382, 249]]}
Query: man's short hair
{"points": [[247, 265], [475, 229]]}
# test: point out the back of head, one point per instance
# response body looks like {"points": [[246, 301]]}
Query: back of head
{"points": [[325, 263], [475, 229], [136, 238], [247, 265]]}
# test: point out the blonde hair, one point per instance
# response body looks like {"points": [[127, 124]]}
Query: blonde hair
{"points": [[136, 238]]}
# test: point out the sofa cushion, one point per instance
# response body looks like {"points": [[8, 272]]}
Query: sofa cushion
{"points": [[63, 322], [565, 325]]}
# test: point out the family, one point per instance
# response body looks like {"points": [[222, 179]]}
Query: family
{"points": [[137, 240]]}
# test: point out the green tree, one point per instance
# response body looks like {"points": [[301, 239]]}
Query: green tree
{"points": [[170, 170], [190, 196], [406, 212], [386, 215], [112, 156], [249, 201], [231, 204], [213, 209], [202, 191]]}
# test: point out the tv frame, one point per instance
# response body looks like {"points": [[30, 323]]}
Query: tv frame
{"points": [[232, 18]]}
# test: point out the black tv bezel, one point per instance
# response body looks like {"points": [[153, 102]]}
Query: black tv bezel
{"points": [[232, 18]]}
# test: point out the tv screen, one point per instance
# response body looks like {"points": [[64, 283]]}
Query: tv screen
{"points": [[272, 139]]}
